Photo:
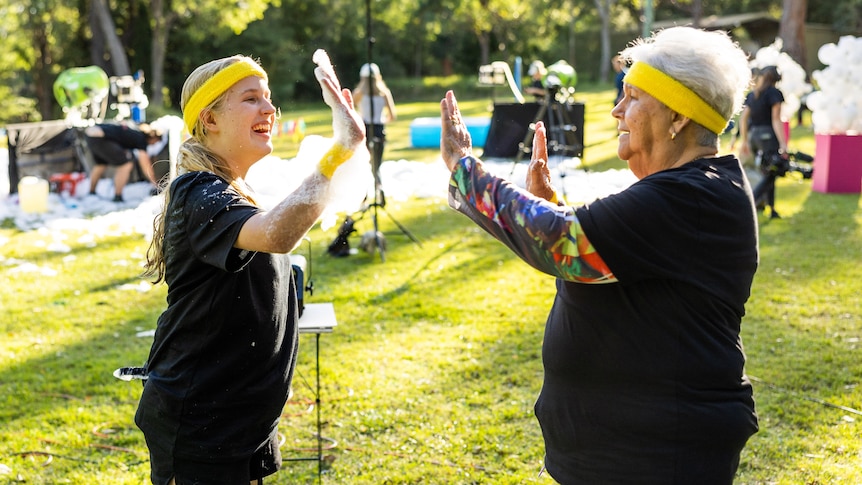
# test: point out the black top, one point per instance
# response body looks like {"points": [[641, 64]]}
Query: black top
{"points": [[537, 84], [644, 378], [644, 375], [221, 363], [760, 107], [115, 147], [619, 83], [125, 135]]}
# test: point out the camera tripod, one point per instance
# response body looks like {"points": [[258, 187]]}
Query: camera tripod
{"points": [[376, 241], [772, 166], [561, 132]]}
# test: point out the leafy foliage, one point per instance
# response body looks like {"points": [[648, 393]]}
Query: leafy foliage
{"points": [[411, 38]]}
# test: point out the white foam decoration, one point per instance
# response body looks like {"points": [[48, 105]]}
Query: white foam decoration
{"points": [[836, 108]]}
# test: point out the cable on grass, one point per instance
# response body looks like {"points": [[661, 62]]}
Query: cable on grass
{"points": [[332, 444], [50, 456], [805, 396], [413, 457]]}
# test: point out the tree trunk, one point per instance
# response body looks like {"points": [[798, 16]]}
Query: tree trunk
{"points": [[161, 27], [97, 42], [42, 73], [484, 47], [604, 8], [792, 31], [696, 12], [119, 60], [572, 42]]}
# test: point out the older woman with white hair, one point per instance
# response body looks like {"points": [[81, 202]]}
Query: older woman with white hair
{"points": [[644, 367]]}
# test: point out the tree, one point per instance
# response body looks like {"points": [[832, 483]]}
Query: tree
{"points": [[43, 43], [792, 30], [692, 8], [102, 25], [604, 8], [212, 18]]}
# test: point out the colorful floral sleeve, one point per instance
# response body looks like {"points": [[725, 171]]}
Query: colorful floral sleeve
{"points": [[546, 236]]}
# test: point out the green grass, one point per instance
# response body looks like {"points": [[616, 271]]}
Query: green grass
{"points": [[432, 372]]}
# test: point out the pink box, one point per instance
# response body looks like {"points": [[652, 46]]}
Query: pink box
{"points": [[837, 164]]}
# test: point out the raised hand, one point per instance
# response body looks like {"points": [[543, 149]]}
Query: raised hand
{"points": [[455, 141], [347, 125], [538, 175]]}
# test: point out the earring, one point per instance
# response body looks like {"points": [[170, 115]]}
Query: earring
{"points": [[673, 135]]}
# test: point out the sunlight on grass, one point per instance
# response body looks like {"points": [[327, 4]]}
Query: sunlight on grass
{"points": [[434, 367]]}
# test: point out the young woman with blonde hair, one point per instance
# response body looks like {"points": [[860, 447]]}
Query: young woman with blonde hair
{"points": [[223, 356]]}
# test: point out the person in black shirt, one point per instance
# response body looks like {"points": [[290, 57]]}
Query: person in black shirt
{"points": [[224, 351], [762, 134], [537, 73], [618, 65], [643, 363], [120, 145]]}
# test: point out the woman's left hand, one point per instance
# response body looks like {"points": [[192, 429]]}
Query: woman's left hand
{"points": [[538, 174], [455, 141]]}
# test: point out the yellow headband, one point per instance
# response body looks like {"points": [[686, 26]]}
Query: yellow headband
{"points": [[675, 96], [215, 86]]}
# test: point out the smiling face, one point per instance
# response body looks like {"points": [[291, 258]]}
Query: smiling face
{"points": [[241, 130], [645, 129]]}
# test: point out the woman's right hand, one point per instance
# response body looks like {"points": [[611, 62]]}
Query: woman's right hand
{"points": [[347, 125]]}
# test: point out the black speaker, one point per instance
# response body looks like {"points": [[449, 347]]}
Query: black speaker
{"points": [[510, 127]]}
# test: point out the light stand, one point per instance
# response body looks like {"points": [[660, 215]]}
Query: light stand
{"points": [[375, 142]]}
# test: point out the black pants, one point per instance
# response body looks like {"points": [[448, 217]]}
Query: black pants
{"points": [[375, 140], [764, 144]]}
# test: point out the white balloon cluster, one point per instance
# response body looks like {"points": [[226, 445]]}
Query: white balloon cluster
{"points": [[836, 108], [792, 84]]}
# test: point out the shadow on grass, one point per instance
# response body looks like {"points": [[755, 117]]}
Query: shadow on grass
{"points": [[801, 335], [424, 382]]}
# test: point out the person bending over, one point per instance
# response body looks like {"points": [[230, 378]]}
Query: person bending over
{"points": [[120, 146]]}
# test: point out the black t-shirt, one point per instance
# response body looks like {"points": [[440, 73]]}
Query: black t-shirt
{"points": [[760, 107], [126, 136], [642, 372], [224, 351], [115, 147]]}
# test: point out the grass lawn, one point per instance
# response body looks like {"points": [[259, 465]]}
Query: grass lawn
{"points": [[431, 375]]}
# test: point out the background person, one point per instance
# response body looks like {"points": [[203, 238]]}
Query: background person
{"points": [[618, 65], [762, 132], [643, 362], [537, 73], [120, 146], [372, 96], [221, 363]]}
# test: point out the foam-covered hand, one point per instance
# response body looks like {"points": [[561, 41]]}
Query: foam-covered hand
{"points": [[347, 126]]}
